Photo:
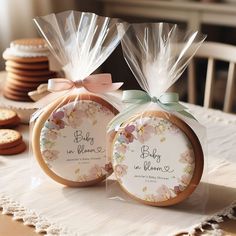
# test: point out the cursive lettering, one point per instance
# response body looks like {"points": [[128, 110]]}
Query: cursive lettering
{"points": [[145, 152], [81, 149], [137, 167], [147, 165], [79, 136]]}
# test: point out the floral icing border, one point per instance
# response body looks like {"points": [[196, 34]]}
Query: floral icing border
{"points": [[142, 130], [71, 117]]}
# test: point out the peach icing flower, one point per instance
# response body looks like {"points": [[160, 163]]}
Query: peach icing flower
{"points": [[95, 172], [185, 179], [164, 193], [121, 148], [144, 132], [74, 117], [187, 157]]}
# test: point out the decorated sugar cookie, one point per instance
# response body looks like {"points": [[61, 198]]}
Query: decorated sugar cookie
{"points": [[157, 158], [69, 139]]}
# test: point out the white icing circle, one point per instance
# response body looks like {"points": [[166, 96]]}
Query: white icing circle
{"points": [[14, 52], [72, 141], [153, 159]]}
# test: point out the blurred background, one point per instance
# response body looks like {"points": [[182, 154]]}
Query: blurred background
{"points": [[217, 19]]}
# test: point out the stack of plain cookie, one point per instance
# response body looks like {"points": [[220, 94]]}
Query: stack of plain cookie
{"points": [[11, 141], [27, 66]]}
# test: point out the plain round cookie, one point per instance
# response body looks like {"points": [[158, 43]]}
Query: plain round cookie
{"points": [[18, 92], [197, 150], [8, 117], [40, 124], [25, 59], [14, 97], [21, 84], [28, 66], [16, 88], [9, 138], [29, 73], [13, 150]]}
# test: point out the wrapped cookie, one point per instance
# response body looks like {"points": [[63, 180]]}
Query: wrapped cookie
{"points": [[155, 144], [69, 131]]}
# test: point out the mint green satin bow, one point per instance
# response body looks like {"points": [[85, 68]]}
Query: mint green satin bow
{"points": [[167, 101]]}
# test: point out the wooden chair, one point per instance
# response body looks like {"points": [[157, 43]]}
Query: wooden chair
{"points": [[213, 51]]}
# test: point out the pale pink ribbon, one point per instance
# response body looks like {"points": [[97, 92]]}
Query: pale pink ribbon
{"points": [[97, 83]]}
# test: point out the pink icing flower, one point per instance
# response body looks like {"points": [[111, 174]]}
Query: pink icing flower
{"points": [[50, 155], [187, 157], [126, 136], [108, 167], [128, 133], [120, 170], [144, 132], [178, 189], [56, 122]]}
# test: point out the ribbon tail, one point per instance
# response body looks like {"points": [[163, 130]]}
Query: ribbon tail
{"points": [[43, 102], [187, 114], [134, 96], [102, 88], [175, 106], [59, 84]]}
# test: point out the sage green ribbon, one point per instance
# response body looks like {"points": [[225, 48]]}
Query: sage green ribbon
{"points": [[167, 101]]}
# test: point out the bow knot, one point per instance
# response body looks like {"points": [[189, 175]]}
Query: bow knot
{"points": [[78, 83], [167, 101], [97, 83], [154, 99]]}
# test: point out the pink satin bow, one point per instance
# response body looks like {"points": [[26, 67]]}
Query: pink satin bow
{"points": [[97, 83]]}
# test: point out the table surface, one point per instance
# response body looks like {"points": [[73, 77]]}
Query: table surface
{"points": [[88, 211]]}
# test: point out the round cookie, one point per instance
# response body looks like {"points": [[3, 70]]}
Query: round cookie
{"points": [[69, 139], [157, 158], [13, 150], [14, 97], [15, 92], [16, 88], [27, 51], [8, 117], [9, 138], [29, 73], [25, 59], [28, 66], [21, 84], [30, 78]]}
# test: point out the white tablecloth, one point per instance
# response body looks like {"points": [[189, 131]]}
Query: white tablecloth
{"points": [[87, 211]]}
